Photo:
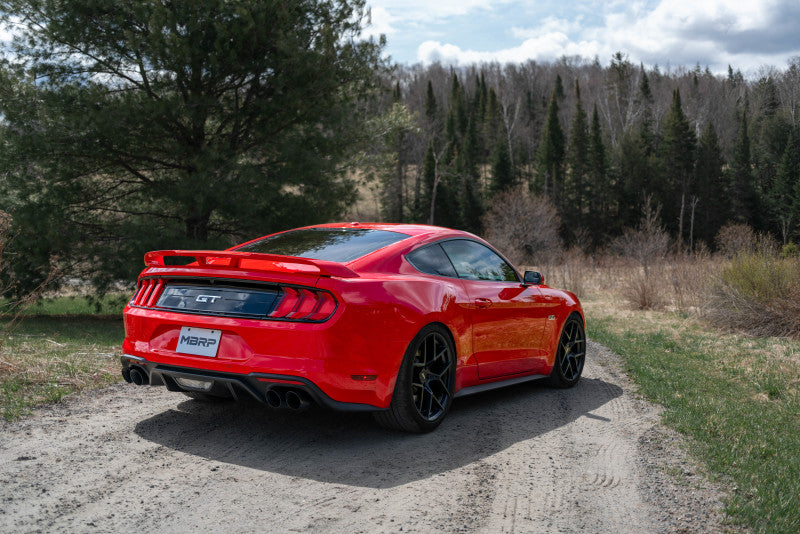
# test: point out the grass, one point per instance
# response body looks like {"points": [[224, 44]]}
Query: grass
{"points": [[72, 305], [738, 397], [50, 354]]}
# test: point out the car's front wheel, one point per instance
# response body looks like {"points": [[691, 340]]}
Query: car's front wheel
{"points": [[423, 392], [570, 354]]}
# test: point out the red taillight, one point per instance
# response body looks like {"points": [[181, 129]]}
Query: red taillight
{"points": [[290, 299], [304, 305], [158, 286], [308, 301], [148, 292], [326, 304]]}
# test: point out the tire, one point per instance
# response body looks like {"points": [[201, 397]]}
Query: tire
{"points": [[205, 397], [423, 392], [570, 354]]}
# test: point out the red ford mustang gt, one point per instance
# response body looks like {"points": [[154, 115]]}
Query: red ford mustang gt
{"points": [[392, 318]]}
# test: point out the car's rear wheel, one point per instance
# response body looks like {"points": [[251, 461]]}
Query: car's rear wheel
{"points": [[423, 392], [570, 354]]}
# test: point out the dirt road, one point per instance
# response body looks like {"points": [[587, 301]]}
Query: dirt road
{"points": [[524, 459]]}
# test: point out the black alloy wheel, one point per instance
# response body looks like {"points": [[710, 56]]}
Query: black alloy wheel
{"points": [[424, 389], [570, 354], [430, 379]]}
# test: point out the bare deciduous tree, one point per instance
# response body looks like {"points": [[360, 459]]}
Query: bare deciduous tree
{"points": [[523, 226]]}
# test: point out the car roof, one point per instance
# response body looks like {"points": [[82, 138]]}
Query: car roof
{"points": [[409, 229]]}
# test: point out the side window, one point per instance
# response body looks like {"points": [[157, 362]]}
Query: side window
{"points": [[432, 260], [474, 261]]}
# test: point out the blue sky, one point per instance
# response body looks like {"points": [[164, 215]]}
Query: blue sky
{"points": [[670, 33]]}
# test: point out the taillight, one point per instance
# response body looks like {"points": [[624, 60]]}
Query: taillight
{"points": [[304, 305], [149, 291]]}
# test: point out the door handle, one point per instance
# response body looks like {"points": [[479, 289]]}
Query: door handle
{"points": [[482, 303]]}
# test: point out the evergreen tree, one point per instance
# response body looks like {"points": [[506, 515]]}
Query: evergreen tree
{"points": [[179, 124], [431, 107], [502, 173], [785, 196], [744, 203], [558, 91], [677, 155], [633, 171], [599, 188], [550, 156], [711, 187], [578, 164], [470, 197], [430, 186]]}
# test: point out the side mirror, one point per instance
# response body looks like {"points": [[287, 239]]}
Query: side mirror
{"points": [[533, 278]]}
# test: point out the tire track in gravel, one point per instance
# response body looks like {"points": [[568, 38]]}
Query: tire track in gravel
{"points": [[523, 459]]}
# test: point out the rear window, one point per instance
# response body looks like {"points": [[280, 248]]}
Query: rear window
{"points": [[330, 244]]}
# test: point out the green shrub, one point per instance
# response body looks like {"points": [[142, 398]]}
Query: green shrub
{"points": [[759, 292], [790, 250]]}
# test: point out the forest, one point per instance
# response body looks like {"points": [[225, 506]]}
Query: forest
{"points": [[598, 142], [140, 125]]}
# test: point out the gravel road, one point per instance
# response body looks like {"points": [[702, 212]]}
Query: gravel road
{"points": [[524, 459]]}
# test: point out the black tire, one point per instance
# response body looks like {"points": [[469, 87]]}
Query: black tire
{"points": [[570, 354], [205, 397], [423, 392]]}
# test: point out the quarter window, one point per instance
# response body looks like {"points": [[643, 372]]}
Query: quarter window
{"points": [[432, 260], [474, 261]]}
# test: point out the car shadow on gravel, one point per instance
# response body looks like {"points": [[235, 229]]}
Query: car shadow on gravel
{"points": [[351, 449]]}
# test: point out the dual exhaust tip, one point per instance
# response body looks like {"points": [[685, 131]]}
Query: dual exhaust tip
{"points": [[292, 399], [276, 397]]}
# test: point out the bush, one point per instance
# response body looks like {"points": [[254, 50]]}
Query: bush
{"points": [[733, 239], [759, 292], [790, 250], [648, 246], [522, 226]]}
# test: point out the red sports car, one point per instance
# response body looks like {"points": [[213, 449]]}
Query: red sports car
{"points": [[397, 319]]}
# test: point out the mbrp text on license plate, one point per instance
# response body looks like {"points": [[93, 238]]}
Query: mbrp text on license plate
{"points": [[198, 341]]}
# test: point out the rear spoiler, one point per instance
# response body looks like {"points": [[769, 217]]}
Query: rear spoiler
{"points": [[247, 261]]}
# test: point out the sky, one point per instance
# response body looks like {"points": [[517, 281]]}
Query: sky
{"points": [[746, 34]]}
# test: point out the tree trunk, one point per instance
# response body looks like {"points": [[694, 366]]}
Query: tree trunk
{"points": [[680, 221], [197, 226]]}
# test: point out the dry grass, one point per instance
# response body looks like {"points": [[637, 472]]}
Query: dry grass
{"points": [[46, 358]]}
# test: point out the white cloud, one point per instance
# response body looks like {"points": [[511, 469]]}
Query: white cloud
{"points": [[544, 47], [548, 26], [426, 11], [681, 32]]}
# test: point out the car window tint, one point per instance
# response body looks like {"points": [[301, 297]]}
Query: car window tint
{"points": [[432, 260], [330, 244], [474, 261]]}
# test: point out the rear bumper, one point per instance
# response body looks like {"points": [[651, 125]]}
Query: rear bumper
{"points": [[254, 385]]}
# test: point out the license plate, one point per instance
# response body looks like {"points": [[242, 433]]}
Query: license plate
{"points": [[198, 341]]}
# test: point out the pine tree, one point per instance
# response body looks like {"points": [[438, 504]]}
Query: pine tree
{"points": [[551, 154], [578, 164], [431, 107], [180, 124], [558, 91], [711, 187], [744, 203], [786, 193], [470, 193], [677, 155], [502, 173], [430, 186], [598, 189]]}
